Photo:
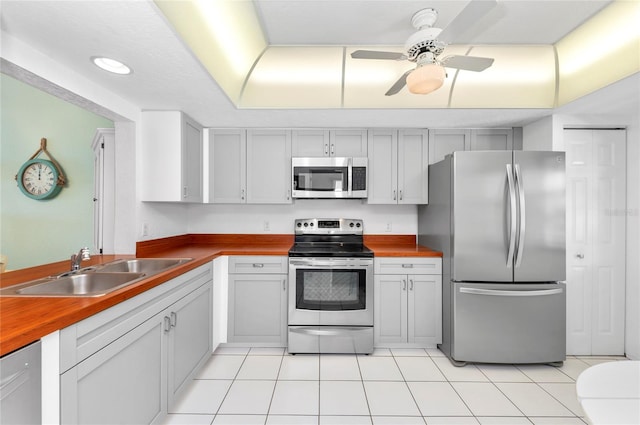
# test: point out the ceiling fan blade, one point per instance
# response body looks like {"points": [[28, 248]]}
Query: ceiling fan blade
{"points": [[373, 54], [398, 85], [466, 20], [468, 63]]}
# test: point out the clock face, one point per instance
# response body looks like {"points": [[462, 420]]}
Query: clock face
{"points": [[38, 179]]}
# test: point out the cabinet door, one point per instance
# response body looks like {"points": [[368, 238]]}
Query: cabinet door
{"points": [[161, 156], [348, 143], [445, 141], [492, 139], [413, 162], [424, 309], [190, 337], [124, 383], [268, 167], [390, 309], [192, 160], [383, 161], [312, 143], [258, 308], [227, 166]]}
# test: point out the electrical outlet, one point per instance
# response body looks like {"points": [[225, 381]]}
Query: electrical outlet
{"points": [[388, 226], [266, 227], [145, 229]]}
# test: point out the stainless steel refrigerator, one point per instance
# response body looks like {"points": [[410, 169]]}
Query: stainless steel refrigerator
{"points": [[499, 219]]}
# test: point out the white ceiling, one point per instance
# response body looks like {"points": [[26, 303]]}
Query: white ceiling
{"points": [[167, 76]]}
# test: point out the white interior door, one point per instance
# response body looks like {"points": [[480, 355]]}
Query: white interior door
{"points": [[103, 146], [596, 231]]}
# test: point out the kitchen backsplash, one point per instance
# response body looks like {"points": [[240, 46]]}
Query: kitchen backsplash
{"points": [[278, 219]]}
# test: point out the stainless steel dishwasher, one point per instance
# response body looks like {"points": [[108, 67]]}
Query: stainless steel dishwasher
{"points": [[21, 386]]}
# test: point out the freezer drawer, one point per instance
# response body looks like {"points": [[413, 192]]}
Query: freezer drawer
{"points": [[508, 323]]}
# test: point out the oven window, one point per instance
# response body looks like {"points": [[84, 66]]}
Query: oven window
{"points": [[320, 179], [331, 289]]}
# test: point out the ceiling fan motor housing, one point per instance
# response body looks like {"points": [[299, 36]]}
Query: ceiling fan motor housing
{"points": [[424, 40]]}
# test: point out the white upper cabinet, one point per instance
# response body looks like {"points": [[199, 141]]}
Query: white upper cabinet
{"points": [[227, 166], [492, 139], [249, 166], [268, 166], [445, 141], [310, 142], [339, 143], [171, 157], [442, 142], [398, 161]]}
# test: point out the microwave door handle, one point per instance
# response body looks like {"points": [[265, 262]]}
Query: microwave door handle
{"points": [[349, 177]]}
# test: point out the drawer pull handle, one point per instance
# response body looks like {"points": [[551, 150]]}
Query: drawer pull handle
{"points": [[407, 266], [258, 265]]}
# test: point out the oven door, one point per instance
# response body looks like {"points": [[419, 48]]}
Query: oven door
{"points": [[331, 291]]}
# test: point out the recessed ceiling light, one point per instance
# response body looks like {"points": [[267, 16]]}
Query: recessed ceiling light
{"points": [[111, 65]]}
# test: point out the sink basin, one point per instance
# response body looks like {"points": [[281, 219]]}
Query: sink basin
{"points": [[142, 265], [94, 281], [81, 284]]}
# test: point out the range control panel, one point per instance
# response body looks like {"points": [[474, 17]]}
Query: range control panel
{"points": [[328, 226]]}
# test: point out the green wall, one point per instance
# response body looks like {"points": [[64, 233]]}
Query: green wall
{"points": [[37, 232]]}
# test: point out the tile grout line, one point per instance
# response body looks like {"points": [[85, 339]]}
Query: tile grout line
{"points": [[413, 397], [229, 389], [364, 389], [273, 392]]}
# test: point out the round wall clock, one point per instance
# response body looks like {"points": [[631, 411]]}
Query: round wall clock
{"points": [[38, 179]]}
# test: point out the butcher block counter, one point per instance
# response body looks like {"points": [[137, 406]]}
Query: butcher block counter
{"points": [[26, 319]]}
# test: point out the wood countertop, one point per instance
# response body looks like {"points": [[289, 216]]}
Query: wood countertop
{"points": [[26, 319]]}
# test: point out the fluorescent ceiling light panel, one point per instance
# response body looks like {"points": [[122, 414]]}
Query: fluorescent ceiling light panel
{"points": [[225, 35], [521, 76], [295, 77], [601, 51]]}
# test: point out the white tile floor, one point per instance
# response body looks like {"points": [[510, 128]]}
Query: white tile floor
{"points": [[391, 386]]}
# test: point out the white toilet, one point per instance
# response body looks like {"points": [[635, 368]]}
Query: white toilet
{"points": [[610, 393]]}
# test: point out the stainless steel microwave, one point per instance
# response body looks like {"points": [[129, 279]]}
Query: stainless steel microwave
{"points": [[329, 177]]}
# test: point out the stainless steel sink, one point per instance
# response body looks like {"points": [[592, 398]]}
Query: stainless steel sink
{"points": [[142, 265], [95, 280], [82, 284]]}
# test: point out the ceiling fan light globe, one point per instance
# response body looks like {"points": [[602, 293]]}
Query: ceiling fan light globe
{"points": [[426, 79]]}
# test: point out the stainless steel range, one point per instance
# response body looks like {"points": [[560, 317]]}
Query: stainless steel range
{"points": [[331, 288]]}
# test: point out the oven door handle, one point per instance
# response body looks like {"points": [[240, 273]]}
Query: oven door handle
{"points": [[331, 263], [331, 331]]}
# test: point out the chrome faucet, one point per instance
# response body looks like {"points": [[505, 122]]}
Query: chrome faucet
{"points": [[76, 259]]}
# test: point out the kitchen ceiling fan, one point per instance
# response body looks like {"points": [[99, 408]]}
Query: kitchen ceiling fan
{"points": [[425, 45]]}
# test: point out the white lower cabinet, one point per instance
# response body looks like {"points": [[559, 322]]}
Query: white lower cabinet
{"points": [[127, 364], [407, 302], [258, 300]]}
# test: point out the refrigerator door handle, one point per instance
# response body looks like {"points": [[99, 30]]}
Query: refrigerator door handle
{"points": [[512, 215], [501, 293], [522, 209]]}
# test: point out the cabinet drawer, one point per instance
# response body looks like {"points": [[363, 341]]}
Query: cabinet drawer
{"points": [[263, 264], [408, 265]]}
